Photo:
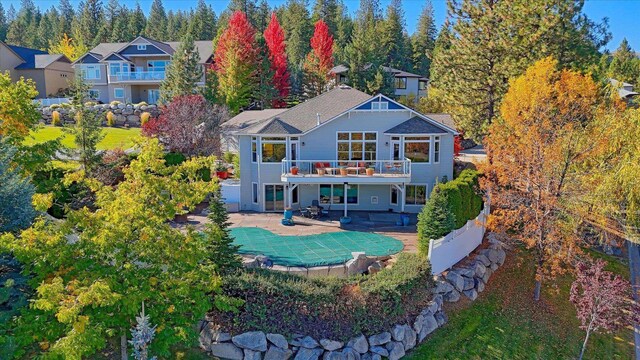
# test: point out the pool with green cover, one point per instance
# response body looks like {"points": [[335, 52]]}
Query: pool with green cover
{"points": [[312, 250]]}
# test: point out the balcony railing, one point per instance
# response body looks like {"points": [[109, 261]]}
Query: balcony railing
{"points": [[138, 76], [341, 169]]}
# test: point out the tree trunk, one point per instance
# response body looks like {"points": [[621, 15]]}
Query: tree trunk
{"points": [[123, 347], [633, 250], [584, 344], [538, 286]]}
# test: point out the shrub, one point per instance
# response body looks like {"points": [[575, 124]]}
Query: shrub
{"points": [[174, 158], [54, 106], [436, 219], [55, 119], [90, 103], [228, 157], [66, 105], [144, 117], [463, 194], [141, 103], [328, 307], [111, 121], [115, 102]]}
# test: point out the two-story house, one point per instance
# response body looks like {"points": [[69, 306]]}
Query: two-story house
{"points": [[405, 83], [347, 150], [132, 72], [50, 72]]}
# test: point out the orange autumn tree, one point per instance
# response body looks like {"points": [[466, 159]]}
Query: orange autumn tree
{"points": [[319, 60], [533, 149]]}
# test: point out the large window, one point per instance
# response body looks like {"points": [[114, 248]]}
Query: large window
{"points": [[334, 194], [90, 72], [416, 195], [422, 85], [357, 145], [157, 65], [416, 148], [401, 83], [274, 149], [254, 149]]}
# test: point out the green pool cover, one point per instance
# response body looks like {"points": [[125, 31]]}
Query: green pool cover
{"points": [[312, 250]]}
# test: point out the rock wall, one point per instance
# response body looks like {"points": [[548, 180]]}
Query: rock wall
{"points": [[124, 114], [467, 280]]}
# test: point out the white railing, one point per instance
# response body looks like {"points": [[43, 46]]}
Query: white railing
{"points": [[346, 167], [138, 76], [458, 244], [51, 101]]}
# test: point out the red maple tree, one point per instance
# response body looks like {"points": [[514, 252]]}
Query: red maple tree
{"points": [[319, 60], [274, 37]]}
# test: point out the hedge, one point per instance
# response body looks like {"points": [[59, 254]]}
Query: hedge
{"points": [[332, 308], [464, 196]]}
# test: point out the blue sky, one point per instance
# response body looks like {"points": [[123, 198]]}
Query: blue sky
{"points": [[622, 14]]}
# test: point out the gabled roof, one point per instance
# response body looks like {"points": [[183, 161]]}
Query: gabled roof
{"points": [[305, 116], [416, 125], [341, 69], [115, 55], [96, 56], [34, 58], [445, 119], [250, 117]]}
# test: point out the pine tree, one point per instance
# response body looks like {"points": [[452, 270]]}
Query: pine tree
{"points": [[137, 22], [393, 37], [203, 22], [327, 11], [625, 65], [365, 52], [91, 19], [120, 26], [319, 61], [298, 30], [342, 35], [223, 253], [435, 220], [183, 72], [16, 211], [142, 335], [423, 41], [157, 22], [275, 41], [23, 29], [265, 93], [3, 24], [67, 13]]}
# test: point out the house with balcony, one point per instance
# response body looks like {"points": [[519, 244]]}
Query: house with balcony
{"points": [[405, 83], [132, 72], [345, 150]]}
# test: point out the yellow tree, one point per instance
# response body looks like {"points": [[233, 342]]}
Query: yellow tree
{"points": [[69, 47], [18, 114], [533, 148]]}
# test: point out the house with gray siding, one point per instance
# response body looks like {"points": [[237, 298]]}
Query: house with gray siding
{"points": [[347, 150], [132, 72]]}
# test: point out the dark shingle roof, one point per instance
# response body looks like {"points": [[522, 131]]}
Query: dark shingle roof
{"points": [[277, 126], [250, 117], [305, 116], [416, 125], [445, 119], [205, 48], [28, 55]]}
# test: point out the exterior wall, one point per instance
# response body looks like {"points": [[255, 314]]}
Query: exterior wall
{"points": [[57, 76], [8, 61], [37, 75], [104, 93], [141, 92], [412, 88], [103, 74]]}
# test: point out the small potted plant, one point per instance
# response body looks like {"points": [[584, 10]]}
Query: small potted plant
{"points": [[370, 171], [343, 171], [221, 171], [294, 170], [320, 171]]}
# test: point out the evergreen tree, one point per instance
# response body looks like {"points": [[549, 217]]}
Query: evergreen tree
{"points": [[423, 41], [327, 11], [3, 24], [67, 13], [203, 22], [381, 82], [24, 28], [16, 211], [183, 72], [625, 65], [120, 26], [365, 52], [141, 336], [397, 55], [435, 220], [47, 29], [298, 30], [223, 254], [157, 22], [137, 22], [90, 25], [342, 35], [265, 93]]}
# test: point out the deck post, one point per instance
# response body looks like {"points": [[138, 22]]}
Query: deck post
{"points": [[345, 199], [403, 190]]}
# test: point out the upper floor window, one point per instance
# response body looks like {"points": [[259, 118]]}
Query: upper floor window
{"points": [[401, 83], [118, 68], [142, 47], [157, 65], [90, 72], [417, 148], [274, 149], [357, 145], [422, 85], [254, 149], [436, 149], [379, 105]]}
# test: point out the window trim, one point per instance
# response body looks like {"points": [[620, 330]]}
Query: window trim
{"points": [[391, 189], [331, 203], [379, 105], [256, 152], [427, 140], [401, 78], [436, 148], [263, 142], [426, 194], [115, 93], [141, 47], [364, 141], [84, 70]]}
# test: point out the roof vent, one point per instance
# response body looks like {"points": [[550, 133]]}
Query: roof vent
{"points": [[318, 119]]}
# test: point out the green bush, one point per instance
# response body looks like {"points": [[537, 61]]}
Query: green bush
{"points": [[436, 219], [463, 194], [174, 158], [328, 307]]}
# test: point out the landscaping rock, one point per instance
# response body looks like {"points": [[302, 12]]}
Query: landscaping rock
{"points": [[397, 333], [479, 269], [359, 343], [494, 266], [375, 267], [441, 318], [331, 345], [453, 296], [206, 337], [308, 354], [252, 355], [479, 285], [483, 259], [487, 275], [502, 256], [466, 272], [439, 300], [418, 324], [254, 340], [456, 280], [409, 341], [471, 294], [493, 255], [379, 339], [396, 350], [433, 307], [276, 353], [350, 354], [380, 351], [442, 287], [430, 324], [226, 351], [278, 340], [309, 343], [468, 283]]}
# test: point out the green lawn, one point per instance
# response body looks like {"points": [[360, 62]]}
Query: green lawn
{"points": [[505, 323], [114, 137]]}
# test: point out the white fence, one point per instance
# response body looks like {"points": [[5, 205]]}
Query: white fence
{"points": [[51, 101], [458, 244]]}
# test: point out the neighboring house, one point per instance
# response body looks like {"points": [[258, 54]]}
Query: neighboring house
{"points": [[625, 90], [50, 72], [405, 84], [241, 121], [132, 72], [302, 154]]}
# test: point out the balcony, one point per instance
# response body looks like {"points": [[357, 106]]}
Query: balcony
{"points": [[340, 171], [138, 77]]}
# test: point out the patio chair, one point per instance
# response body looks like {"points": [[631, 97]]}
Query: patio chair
{"points": [[326, 211], [314, 212], [303, 212]]}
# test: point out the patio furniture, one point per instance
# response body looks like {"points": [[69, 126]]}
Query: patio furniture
{"points": [[324, 167], [315, 203], [303, 212], [358, 168], [326, 212], [315, 211]]}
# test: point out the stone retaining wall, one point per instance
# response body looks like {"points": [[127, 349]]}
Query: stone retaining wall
{"points": [[124, 114], [468, 280]]}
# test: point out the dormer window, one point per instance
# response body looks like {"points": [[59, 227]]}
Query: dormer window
{"points": [[142, 47], [379, 105]]}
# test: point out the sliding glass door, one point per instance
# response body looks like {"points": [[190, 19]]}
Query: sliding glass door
{"points": [[273, 197]]}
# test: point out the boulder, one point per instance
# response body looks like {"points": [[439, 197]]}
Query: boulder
{"points": [[433, 307], [430, 324], [374, 268], [468, 283], [331, 345], [493, 255], [254, 340], [380, 351], [309, 342], [471, 294], [494, 266], [396, 350], [350, 354], [276, 353], [441, 318], [409, 341], [226, 351], [252, 355], [456, 280], [442, 287], [479, 285], [206, 337], [439, 300], [466, 272], [417, 325], [483, 259], [487, 275], [397, 333], [453, 296], [359, 343], [479, 269], [308, 354], [379, 339], [278, 340], [502, 256]]}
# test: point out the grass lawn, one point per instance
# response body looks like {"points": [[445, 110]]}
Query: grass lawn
{"points": [[505, 323], [114, 137]]}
